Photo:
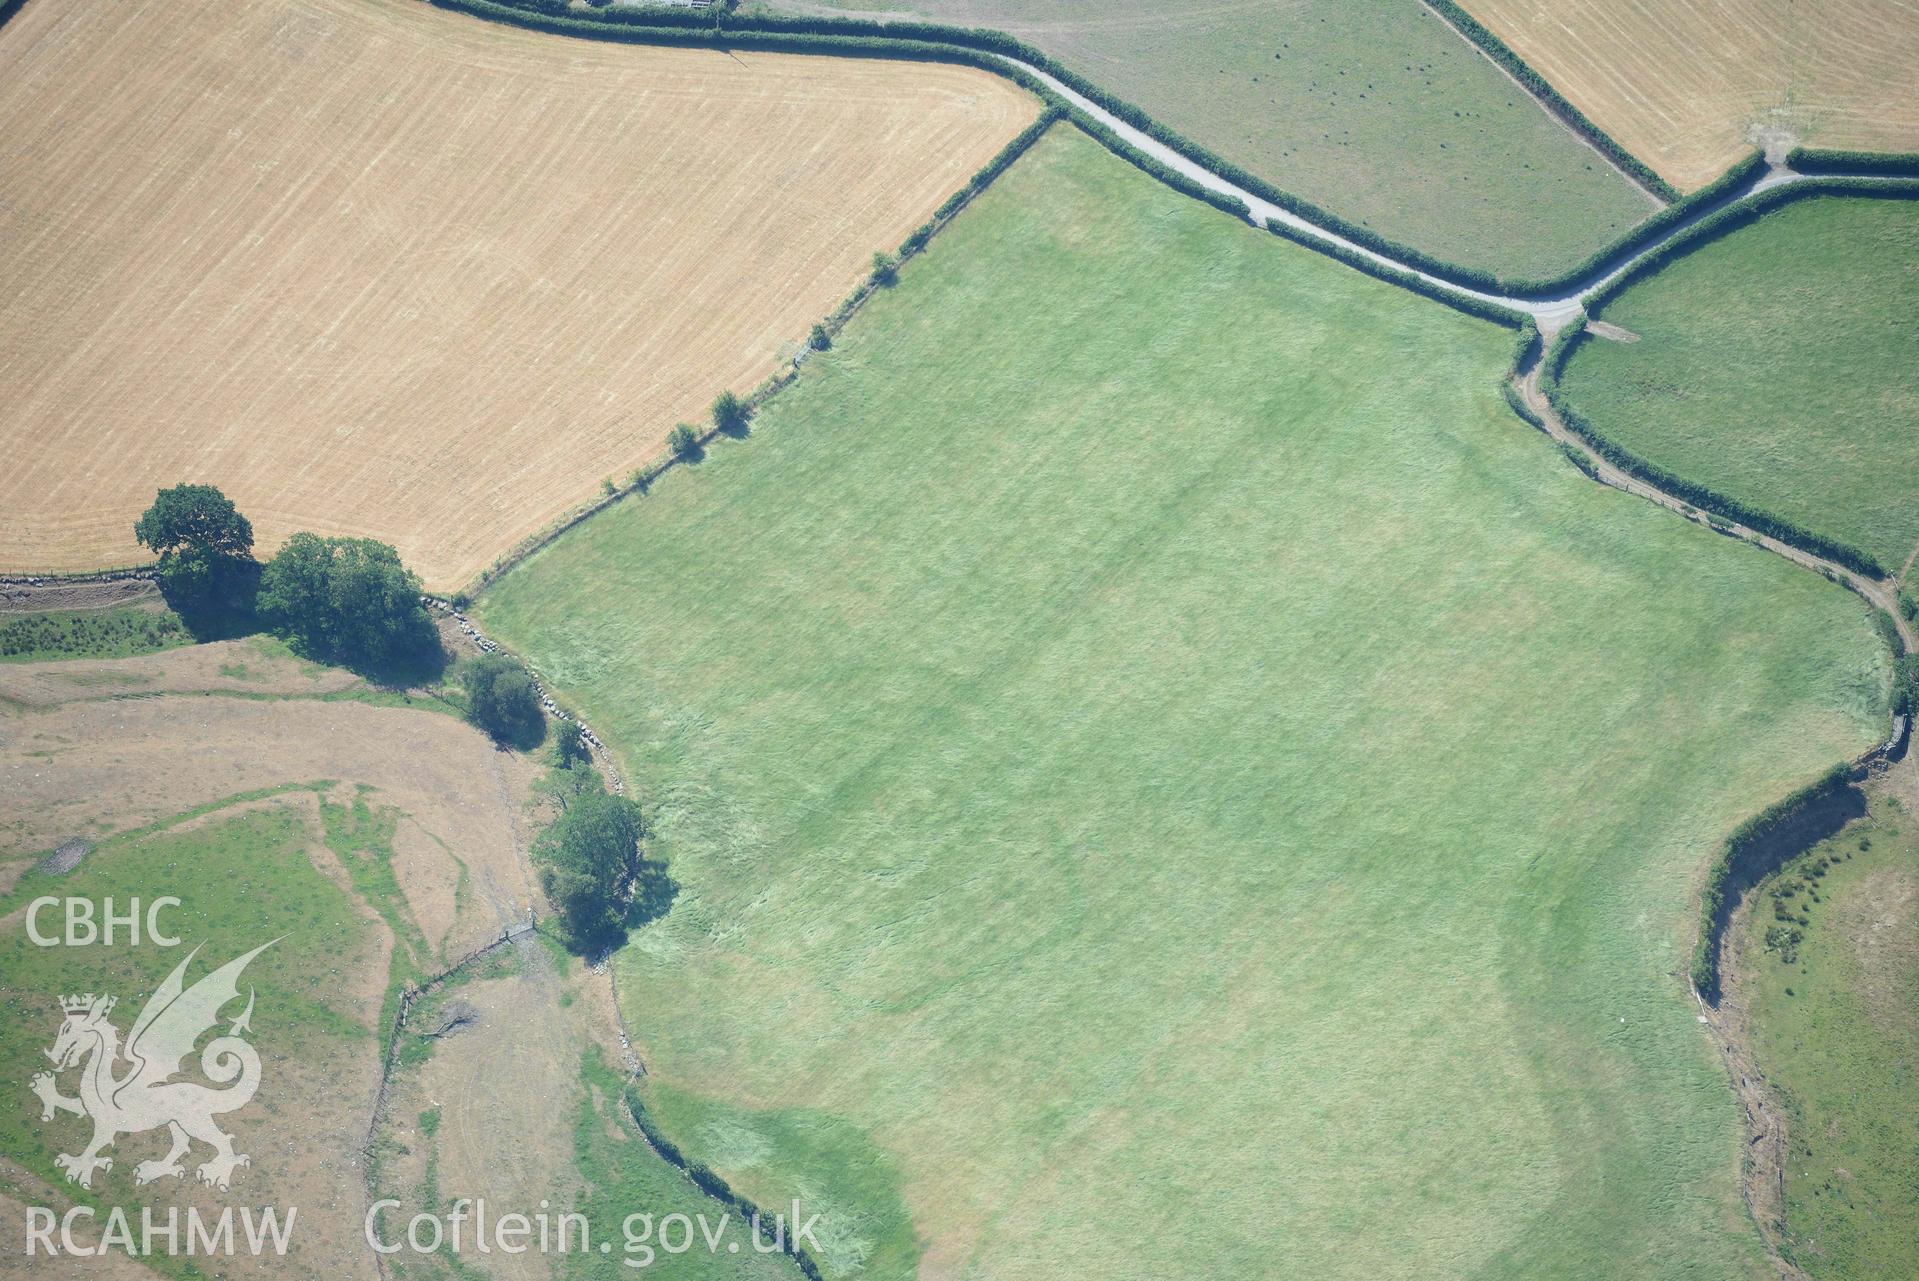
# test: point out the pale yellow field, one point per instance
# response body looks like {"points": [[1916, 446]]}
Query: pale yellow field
{"points": [[378, 269], [1686, 84]]}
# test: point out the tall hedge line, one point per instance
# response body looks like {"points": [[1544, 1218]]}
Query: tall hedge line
{"points": [[1829, 160], [1536, 84], [1705, 954], [1499, 314], [1731, 219], [989, 49], [708, 1182], [1699, 496]]}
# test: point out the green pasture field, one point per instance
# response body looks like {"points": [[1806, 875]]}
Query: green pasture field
{"points": [[1158, 756], [1775, 365], [1834, 983], [1378, 112]]}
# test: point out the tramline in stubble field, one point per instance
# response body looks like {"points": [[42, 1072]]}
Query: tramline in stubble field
{"points": [[381, 270]]}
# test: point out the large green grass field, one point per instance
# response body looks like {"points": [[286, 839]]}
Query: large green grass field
{"points": [[1379, 112], [1775, 365], [1832, 948], [1168, 777]]}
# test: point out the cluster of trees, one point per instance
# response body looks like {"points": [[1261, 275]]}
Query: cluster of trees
{"points": [[348, 600], [352, 601], [344, 600], [590, 858], [501, 701]]}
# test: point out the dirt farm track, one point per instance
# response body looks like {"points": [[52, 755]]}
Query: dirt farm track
{"points": [[378, 269]]}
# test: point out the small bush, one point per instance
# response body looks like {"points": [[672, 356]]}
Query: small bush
{"points": [[886, 269], [683, 442], [819, 339], [729, 412], [569, 745]]}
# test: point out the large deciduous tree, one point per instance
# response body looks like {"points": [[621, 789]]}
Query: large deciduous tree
{"points": [[199, 536]]}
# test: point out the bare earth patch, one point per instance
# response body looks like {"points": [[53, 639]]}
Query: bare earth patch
{"points": [[377, 269], [249, 666], [98, 765], [1689, 87]]}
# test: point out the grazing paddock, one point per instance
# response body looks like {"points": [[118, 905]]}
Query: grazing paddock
{"points": [[376, 269], [1168, 777], [1774, 365], [1686, 86]]}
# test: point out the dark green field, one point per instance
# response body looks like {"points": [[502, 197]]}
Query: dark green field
{"points": [[1776, 366]]}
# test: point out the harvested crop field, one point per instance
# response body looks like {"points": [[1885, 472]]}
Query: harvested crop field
{"points": [[375, 269], [1685, 86]]}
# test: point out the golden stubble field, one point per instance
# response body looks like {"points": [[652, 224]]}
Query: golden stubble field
{"points": [[1685, 85], [378, 269]]}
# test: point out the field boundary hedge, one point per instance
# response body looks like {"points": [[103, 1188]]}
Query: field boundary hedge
{"points": [[1714, 911], [1488, 43], [1898, 164], [916, 242], [1498, 313], [989, 50], [708, 1182], [1700, 496], [1711, 228], [1732, 218]]}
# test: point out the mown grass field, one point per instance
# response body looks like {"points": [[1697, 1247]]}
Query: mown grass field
{"points": [[1686, 85], [1832, 1012], [1378, 112], [1775, 365], [383, 270], [1162, 761]]}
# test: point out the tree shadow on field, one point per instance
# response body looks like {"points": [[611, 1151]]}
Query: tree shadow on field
{"points": [[224, 609]]}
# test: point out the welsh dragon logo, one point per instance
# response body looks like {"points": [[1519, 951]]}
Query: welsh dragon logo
{"points": [[147, 1095]]}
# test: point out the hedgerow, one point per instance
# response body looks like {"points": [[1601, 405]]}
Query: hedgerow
{"points": [[1705, 955], [1520, 407], [988, 49], [1537, 85], [711, 1183], [1830, 160], [1710, 228], [1744, 214], [1485, 309]]}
